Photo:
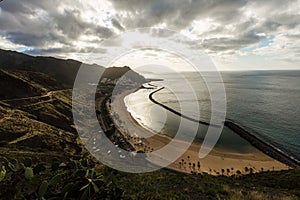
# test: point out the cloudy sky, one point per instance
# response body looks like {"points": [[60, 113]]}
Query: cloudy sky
{"points": [[236, 34]]}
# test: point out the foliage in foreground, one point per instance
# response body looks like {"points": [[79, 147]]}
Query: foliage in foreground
{"points": [[77, 179], [85, 179]]}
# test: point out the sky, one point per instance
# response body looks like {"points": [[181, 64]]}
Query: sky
{"points": [[235, 34]]}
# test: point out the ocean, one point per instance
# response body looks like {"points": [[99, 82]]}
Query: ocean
{"points": [[266, 103]]}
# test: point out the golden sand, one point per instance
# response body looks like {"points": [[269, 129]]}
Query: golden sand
{"points": [[218, 161]]}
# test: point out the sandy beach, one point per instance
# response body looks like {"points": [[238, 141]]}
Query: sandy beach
{"points": [[219, 161]]}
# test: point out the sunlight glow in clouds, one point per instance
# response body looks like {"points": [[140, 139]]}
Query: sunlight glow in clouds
{"points": [[238, 35]]}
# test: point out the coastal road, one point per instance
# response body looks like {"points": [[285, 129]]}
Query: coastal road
{"points": [[48, 94]]}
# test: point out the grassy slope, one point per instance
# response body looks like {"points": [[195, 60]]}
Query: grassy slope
{"points": [[41, 128], [34, 118]]}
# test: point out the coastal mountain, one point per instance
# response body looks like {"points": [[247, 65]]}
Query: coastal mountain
{"points": [[64, 71], [36, 102], [41, 154], [116, 73]]}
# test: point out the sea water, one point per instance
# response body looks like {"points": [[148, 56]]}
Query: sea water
{"points": [[266, 103]]}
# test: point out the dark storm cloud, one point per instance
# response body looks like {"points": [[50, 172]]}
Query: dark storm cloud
{"points": [[26, 39], [42, 23], [15, 6], [116, 24], [72, 25], [103, 32], [247, 18], [38, 23], [175, 13], [286, 19], [232, 43]]}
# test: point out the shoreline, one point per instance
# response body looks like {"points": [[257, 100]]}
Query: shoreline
{"points": [[261, 145], [218, 161], [242, 132], [174, 111]]}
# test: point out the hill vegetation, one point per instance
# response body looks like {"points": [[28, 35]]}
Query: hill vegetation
{"points": [[41, 156]]}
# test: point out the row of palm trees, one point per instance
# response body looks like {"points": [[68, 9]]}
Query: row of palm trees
{"points": [[196, 168], [193, 167], [230, 171]]}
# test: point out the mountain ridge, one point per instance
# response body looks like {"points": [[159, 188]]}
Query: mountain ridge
{"points": [[35, 106], [63, 70]]}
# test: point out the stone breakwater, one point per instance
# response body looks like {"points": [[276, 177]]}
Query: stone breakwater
{"points": [[261, 145], [252, 139]]}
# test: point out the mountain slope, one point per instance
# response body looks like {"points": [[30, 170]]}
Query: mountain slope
{"points": [[20, 84], [64, 71], [35, 108], [36, 124]]}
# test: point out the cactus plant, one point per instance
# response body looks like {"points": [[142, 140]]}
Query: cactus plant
{"points": [[55, 180], [2, 173], [42, 190], [28, 173]]}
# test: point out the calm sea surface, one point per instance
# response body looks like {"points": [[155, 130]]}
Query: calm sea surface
{"points": [[264, 102]]}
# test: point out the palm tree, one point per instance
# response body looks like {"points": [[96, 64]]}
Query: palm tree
{"points": [[223, 171], [251, 170], [228, 171]]}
